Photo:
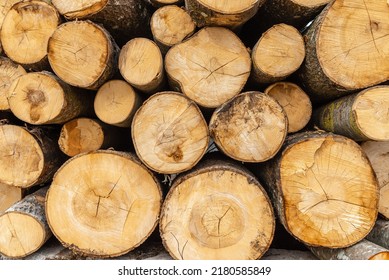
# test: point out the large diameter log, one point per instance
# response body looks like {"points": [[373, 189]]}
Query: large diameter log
{"points": [[9, 195], [141, 65], [323, 188], [358, 56], [116, 103], [83, 54], [231, 14], [250, 128], [124, 19], [380, 233], [103, 203], [218, 210], [363, 250], [359, 116], [278, 53], [170, 25], [23, 226], [378, 154], [210, 67], [169, 133], [27, 157], [9, 71], [42, 98], [25, 33], [295, 102]]}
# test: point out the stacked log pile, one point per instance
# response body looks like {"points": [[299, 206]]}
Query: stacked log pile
{"points": [[208, 129]]}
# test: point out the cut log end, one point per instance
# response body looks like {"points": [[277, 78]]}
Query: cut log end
{"points": [[169, 133], [77, 10], [251, 127], [8, 196]]}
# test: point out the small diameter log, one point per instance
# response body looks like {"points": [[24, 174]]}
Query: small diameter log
{"points": [[24, 227], [210, 68], [378, 154], [169, 133], [124, 19], [170, 25], [218, 210], [83, 135], [161, 3], [250, 128], [116, 103], [42, 98], [360, 116], [363, 250], [9, 195], [323, 188], [25, 33], [380, 233], [27, 157], [278, 53], [288, 255], [295, 102], [9, 71], [83, 54], [141, 65], [115, 203], [231, 14], [357, 58]]}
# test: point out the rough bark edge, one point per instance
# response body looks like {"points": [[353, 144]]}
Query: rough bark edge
{"points": [[380, 233]]}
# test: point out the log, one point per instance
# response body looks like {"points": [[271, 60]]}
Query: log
{"points": [[323, 188], [162, 3], [169, 133], [5, 7], [141, 65], [231, 14], [83, 54], [25, 32], [115, 203], [380, 233], [378, 154], [210, 67], [9, 71], [361, 116], [83, 135], [358, 56], [24, 227], [295, 102], [363, 250], [9, 195], [218, 210], [28, 157], [170, 25], [42, 98], [288, 255], [116, 103], [124, 19], [251, 127], [278, 53]]}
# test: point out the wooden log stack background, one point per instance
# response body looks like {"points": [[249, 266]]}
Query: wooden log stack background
{"points": [[208, 129]]}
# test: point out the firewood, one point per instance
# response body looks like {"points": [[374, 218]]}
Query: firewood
{"points": [[116, 103], [42, 98], [380, 233], [251, 127], [9, 195], [28, 157], [25, 32], [378, 154], [169, 133], [162, 3], [360, 116], [323, 188], [115, 203], [363, 250], [5, 7], [83, 54], [24, 227], [346, 49], [217, 210], [141, 65], [9, 71], [210, 67], [295, 102], [170, 25], [278, 53]]}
